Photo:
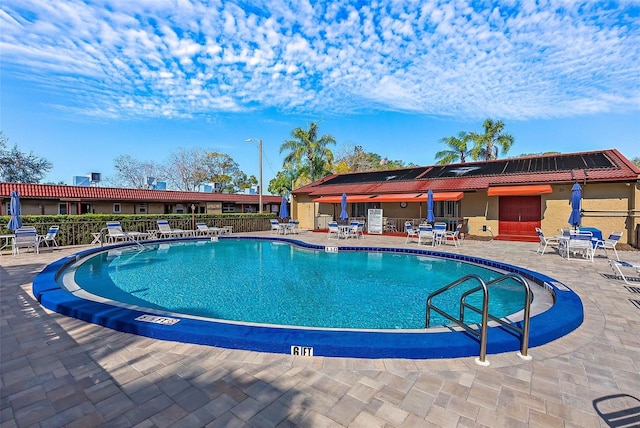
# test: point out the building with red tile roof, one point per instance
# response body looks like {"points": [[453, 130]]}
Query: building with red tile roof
{"points": [[48, 199], [506, 198]]}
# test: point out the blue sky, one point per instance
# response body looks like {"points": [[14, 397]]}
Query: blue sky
{"points": [[86, 81]]}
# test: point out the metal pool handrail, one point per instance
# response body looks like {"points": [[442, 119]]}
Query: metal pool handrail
{"points": [[524, 331], [484, 311]]}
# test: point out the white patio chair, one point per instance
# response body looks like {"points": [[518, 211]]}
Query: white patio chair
{"points": [[454, 235], [334, 230], [293, 226], [411, 232], [275, 226], [25, 237], [544, 242], [355, 231], [425, 235], [439, 231], [609, 243], [50, 237]]}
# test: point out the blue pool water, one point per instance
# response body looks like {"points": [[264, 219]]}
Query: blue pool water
{"points": [[270, 282]]}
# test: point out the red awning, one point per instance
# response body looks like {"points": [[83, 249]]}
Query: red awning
{"points": [[446, 196], [398, 197], [338, 199], [539, 189]]}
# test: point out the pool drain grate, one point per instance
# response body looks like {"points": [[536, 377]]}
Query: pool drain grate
{"points": [[635, 302], [633, 289]]}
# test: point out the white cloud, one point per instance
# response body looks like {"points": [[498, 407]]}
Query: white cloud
{"points": [[185, 58]]}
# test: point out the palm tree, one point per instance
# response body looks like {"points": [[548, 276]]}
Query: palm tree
{"points": [[486, 145], [458, 149], [307, 151]]}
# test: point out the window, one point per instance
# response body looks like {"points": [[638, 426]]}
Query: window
{"points": [[142, 208], [117, 208], [445, 208], [62, 209], [179, 209], [228, 207]]}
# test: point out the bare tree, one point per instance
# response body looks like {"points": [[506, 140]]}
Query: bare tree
{"points": [[186, 169], [133, 173]]}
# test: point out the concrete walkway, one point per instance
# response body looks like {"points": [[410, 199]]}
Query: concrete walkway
{"points": [[58, 371]]}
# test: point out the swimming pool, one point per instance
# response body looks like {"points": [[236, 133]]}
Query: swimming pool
{"points": [[270, 282], [391, 340]]}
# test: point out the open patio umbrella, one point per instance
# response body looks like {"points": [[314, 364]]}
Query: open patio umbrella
{"points": [[284, 211], [576, 197], [343, 212], [14, 211], [430, 217]]}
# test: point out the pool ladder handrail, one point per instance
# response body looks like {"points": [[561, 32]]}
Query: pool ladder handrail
{"points": [[484, 311]]}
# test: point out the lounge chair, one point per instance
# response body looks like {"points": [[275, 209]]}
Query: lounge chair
{"points": [[616, 266], [453, 235], [115, 233], [411, 232], [609, 243], [204, 230], [544, 242], [167, 232], [50, 237], [25, 237]]}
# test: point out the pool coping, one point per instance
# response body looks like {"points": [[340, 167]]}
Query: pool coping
{"points": [[563, 317]]}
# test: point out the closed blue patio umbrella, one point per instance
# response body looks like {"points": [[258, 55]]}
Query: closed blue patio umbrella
{"points": [[430, 216], [14, 211], [284, 211], [576, 197], [343, 212]]}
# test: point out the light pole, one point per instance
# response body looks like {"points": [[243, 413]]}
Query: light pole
{"points": [[260, 184]]}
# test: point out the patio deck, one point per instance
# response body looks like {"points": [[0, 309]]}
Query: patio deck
{"points": [[59, 371]]}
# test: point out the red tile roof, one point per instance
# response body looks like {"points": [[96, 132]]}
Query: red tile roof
{"points": [[55, 191], [620, 169]]}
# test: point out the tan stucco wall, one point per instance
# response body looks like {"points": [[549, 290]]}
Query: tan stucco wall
{"points": [[606, 207], [303, 209], [480, 210]]}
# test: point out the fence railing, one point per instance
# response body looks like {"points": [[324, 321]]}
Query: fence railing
{"points": [[77, 230]]}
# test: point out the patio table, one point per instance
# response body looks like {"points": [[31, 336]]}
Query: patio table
{"points": [[7, 241], [595, 233]]}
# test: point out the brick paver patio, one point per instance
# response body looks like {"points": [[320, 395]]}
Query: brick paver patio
{"points": [[58, 371]]}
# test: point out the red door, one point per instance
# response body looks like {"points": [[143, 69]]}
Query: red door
{"points": [[519, 215]]}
